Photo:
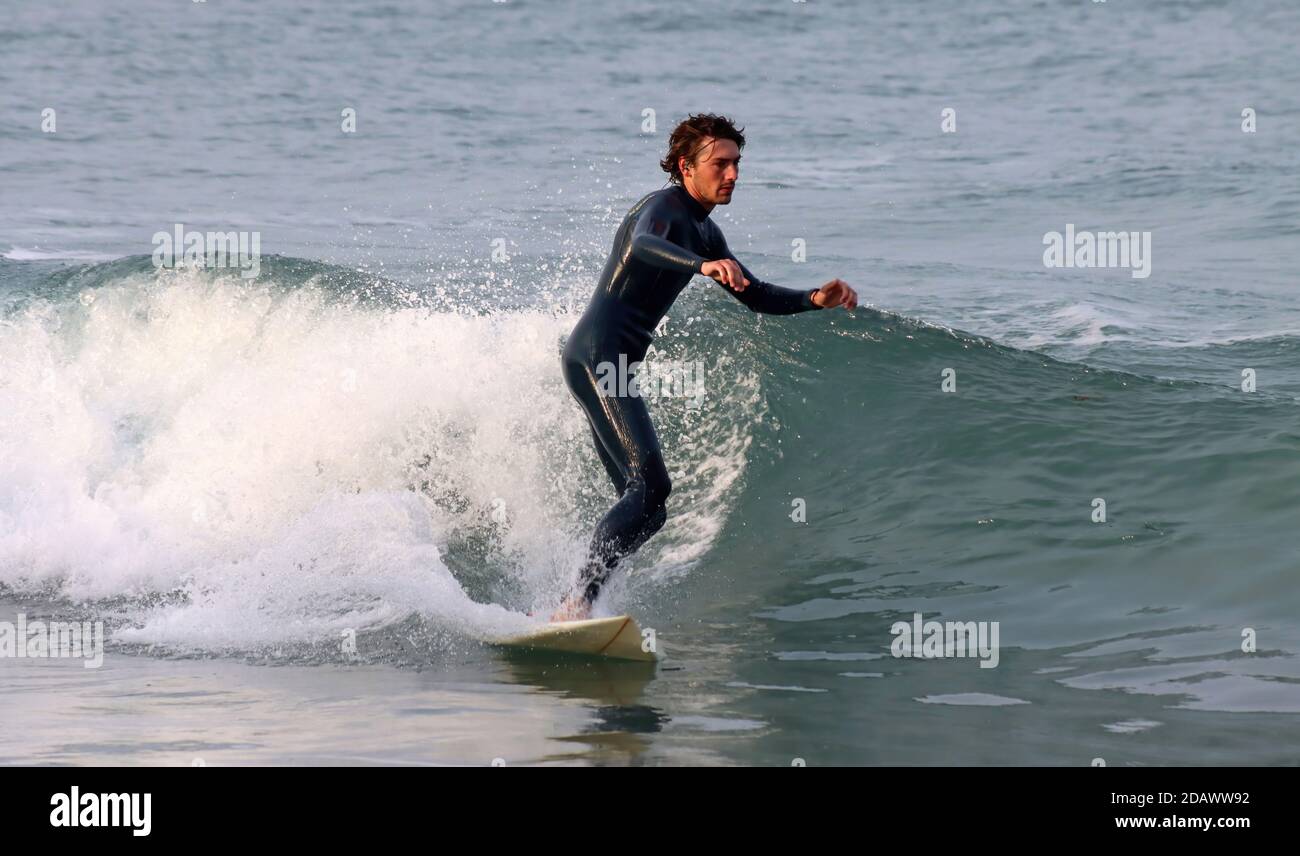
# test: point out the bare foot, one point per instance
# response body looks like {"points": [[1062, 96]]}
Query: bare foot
{"points": [[574, 608]]}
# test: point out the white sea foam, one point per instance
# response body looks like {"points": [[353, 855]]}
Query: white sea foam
{"points": [[283, 466]]}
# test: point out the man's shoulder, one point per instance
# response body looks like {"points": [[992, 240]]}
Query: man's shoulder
{"points": [[655, 199]]}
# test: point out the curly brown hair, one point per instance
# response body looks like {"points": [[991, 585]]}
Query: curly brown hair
{"points": [[687, 139]]}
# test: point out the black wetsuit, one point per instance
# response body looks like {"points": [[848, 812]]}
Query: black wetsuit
{"points": [[660, 245]]}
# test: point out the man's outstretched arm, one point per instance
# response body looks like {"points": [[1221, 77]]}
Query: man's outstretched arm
{"points": [[765, 297], [770, 299], [650, 246]]}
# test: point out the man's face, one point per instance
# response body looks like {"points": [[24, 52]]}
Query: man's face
{"points": [[713, 175]]}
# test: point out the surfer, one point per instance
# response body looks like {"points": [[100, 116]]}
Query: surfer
{"points": [[664, 240]]}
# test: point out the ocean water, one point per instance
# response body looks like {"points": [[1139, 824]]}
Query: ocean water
{"points": [[370, 440]]}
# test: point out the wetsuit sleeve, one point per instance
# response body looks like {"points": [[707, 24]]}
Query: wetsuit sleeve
{"points": [[762, 296], [650, 246]]}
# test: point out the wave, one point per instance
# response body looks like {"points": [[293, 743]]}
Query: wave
{"points": [[250, 464], [231, 465]]}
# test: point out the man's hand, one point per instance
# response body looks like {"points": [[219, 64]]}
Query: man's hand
{"points": [[835, 293], [727, 272]]}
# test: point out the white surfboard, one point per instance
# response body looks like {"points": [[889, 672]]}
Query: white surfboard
{"points": [[618, 638]]}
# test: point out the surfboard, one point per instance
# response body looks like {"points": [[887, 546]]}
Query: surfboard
{"points": [[617, 638]]}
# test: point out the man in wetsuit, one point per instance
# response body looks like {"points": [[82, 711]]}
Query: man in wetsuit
{"points": [[665, 239]]}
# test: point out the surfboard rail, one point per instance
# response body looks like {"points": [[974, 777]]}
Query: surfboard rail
{"points": [[618, 637]]}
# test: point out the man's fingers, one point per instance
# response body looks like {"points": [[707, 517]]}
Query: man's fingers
{"points": [[737, 278], [840, 293], [729, 273]]}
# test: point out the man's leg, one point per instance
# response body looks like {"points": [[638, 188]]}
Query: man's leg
{"points": [[639, 513], [623, 431], [615, 474]]}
